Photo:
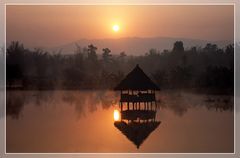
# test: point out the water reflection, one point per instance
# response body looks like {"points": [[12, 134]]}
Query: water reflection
{"points": [[137, 125], [181, 102], [136, 132], [223, 103], [66, 121], [88, 101], [83, 101], [15, 104]]}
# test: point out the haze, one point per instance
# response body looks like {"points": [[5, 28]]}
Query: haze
{"points": [[50, 26]]}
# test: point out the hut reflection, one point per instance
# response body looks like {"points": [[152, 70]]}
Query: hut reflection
{"points": [[138, 106]]}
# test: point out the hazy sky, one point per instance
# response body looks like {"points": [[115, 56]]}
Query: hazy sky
{"points": [[53, 25]]}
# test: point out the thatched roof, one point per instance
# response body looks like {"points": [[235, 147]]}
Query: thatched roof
{"points": [[137, 132], [136, 80]]}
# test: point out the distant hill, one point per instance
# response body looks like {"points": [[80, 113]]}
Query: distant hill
{"points": [[135, 45]]}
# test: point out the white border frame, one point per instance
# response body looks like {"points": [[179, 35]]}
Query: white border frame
{"points": [[128, 4]]}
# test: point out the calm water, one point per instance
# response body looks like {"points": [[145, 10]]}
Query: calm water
{"points": [[82, 121]]}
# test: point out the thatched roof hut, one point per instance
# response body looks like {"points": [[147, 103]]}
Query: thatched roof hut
{"points": [[137, 80], [138, 98], [136, 132]]}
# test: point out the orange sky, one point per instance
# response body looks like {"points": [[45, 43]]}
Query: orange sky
{"points": [[56, 25]]}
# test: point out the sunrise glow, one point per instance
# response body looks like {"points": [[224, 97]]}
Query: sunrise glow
{"points": [[115, 28]]}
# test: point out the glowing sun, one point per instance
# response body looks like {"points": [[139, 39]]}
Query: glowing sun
{"points": [[115, 28]]}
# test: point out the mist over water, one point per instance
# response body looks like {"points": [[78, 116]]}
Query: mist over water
{"points": [[67, 121]]}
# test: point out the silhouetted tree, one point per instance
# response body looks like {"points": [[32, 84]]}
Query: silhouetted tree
{"points": [[210, 47], [229, 49], [122, 57], [162, 78], [218, 77], [194, 49], [209, 67], [78, 57], [92, 55], [15, 62], [178, 46], [230, 55], [153, 52], [106, 55]]}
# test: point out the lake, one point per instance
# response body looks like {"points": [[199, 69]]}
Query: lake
{"points": [[82, 121]]}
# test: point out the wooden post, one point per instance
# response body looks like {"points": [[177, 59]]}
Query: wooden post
{"points": [[132, 101], [121, 106], [128, 101]]}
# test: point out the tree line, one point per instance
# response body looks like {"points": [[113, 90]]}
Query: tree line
{"points": [[201, 68]]}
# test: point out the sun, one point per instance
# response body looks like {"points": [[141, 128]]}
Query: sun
{"points": [[115, 28]]}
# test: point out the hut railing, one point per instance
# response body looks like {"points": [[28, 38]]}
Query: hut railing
{"points": [[138, 98]]}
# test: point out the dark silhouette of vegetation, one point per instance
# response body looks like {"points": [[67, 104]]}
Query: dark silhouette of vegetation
{"points": [[209, 68], [178, 46]]}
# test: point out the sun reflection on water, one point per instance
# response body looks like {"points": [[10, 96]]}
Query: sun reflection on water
{"points": [[116, 115]]}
